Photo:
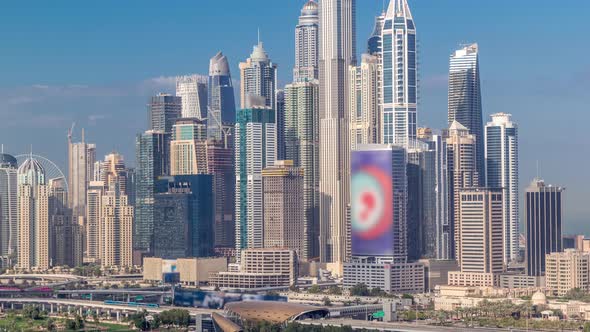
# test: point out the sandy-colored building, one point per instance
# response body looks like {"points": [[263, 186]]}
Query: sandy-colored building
{"points": [[567, 270], [192, 271]]}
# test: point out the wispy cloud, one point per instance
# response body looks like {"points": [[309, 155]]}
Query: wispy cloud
{"points": [[436, 81]]}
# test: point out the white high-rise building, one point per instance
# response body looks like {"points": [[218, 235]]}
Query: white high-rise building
{"points": [[81, 160], [33, 210], [306, 43], [337, 53], [365, 117], [501, 155], [115, 242], [258, 77], [256, 146], [400, 75], [193, 91], [8, 205]]}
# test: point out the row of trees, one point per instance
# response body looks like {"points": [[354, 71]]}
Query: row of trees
{"points": [[173, 317], [295, 327]]}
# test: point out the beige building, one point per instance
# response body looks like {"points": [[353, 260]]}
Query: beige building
{"points": [[33, 216], [365, 118], [113, 170], [188, 148], [567, 270], [480, 224], [284, 212], [115, 229], [462, 168], [192, 271], [93, 221], [260, 268]]}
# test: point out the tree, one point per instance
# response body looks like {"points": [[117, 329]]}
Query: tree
{"points": [[50, 325], [360, 290], [176, 317], [314, 289], [327, 301], [334, 290]]}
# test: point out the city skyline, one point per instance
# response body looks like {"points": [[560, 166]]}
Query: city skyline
{"points": [[48, 91]]}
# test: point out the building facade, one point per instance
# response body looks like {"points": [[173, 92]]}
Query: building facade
{"points": [[93, 220], [116, 229], [81, 159], [163, 110], [465, 97], [480, 225], [337, 53], [391, 278], [284, 212], [255, 149], [501, 156], [567, 270], [543, 220], [192, 90], [307, 44], [220, 163], [400, 75]]}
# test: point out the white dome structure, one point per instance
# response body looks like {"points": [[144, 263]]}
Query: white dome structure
{"points": [[539, 298]]}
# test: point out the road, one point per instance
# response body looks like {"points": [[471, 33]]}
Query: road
{"points": [[401, 327]]}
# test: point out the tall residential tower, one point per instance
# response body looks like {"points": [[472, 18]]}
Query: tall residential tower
{"points": [[221, 104], [307, 43], [337, 53]]}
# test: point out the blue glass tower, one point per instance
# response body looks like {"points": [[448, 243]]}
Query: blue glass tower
{"points": [[222, 105]]}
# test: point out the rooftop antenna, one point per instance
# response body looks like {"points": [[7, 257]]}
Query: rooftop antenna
{"points": [[538, 177], [2, 148], [258, 35], [383, 7]]}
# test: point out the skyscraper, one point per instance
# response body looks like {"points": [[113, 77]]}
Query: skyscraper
{"points": [[221, 105], [93, 220], [302, 146], [220, 163], [8, 205], [501, 154], [65, 233], [400, 75], [81, 159], [188, 147], [307, 43], [33, 214], [443, 239], [258, 77], [543, 220], [462, 172], [152, 161], [117, 229], [481, 257], [337, 53], [255, 144], [365, 117], [192, 89], [465, 97], [283, 207], [163, 110]]}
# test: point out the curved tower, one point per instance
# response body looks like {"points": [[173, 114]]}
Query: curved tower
{"points": [[221, 104]]}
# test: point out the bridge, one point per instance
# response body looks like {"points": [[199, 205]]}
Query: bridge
{"points": [[55, 306], [128, 293]]}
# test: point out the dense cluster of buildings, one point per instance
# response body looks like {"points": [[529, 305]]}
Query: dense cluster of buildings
{"points": [[332, 168]]}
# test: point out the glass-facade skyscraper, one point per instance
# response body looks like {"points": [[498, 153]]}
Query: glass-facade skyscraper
{"points": [[400, 75], [221, 105], [163, 110], [259, 78], [465, 98], [8, 205], [501, 155], [152, 161], [192, 89], [543, 219]]}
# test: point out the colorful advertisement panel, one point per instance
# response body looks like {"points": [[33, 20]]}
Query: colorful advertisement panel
{"points": [[371, 203]]}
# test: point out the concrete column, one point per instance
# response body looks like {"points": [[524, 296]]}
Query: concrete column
{"points": [[51, 308], [118, 316], [80, 311], [128, 298]]}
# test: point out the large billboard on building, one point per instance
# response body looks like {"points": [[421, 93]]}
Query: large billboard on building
{"points": [[371, 203]]}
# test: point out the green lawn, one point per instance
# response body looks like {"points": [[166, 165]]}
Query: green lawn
{"points": [[19, 323]]}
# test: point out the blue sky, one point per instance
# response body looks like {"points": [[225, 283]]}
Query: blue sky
{"points": [[96, 63]]}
